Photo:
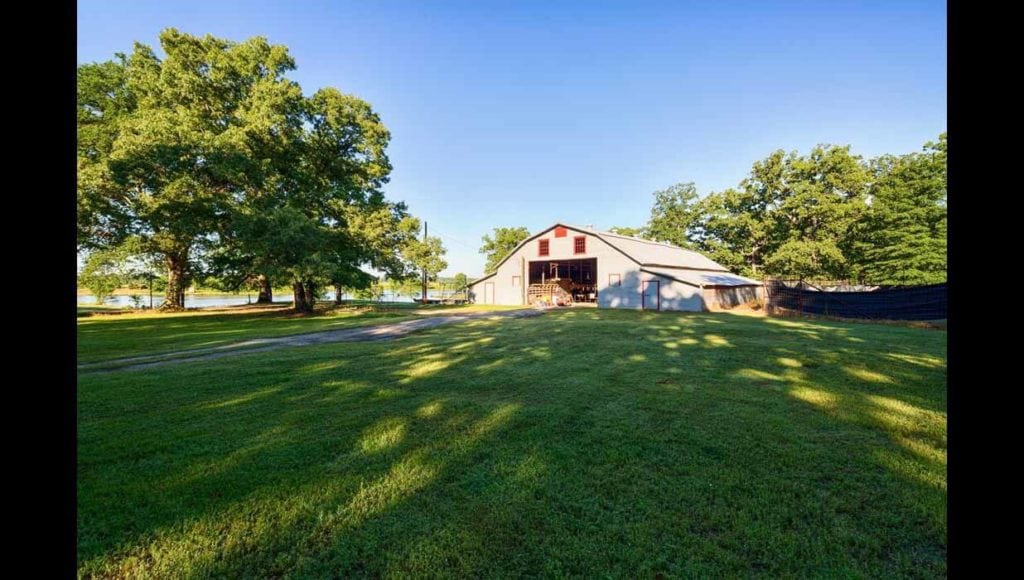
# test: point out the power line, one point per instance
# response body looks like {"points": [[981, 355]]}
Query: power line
{"points": [[456, 240]]}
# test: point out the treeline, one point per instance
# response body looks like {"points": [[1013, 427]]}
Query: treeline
{"points": [[829, 214], [210, 164], [412, 287]]}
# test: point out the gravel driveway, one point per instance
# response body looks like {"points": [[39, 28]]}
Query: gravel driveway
{"points": [[363, 333]]}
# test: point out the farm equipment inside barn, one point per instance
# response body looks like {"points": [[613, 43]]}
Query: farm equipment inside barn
{"points": [[562, 282]]}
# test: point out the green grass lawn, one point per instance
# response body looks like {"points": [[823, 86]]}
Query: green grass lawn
{"points": [[103, 337], [581, 442]]}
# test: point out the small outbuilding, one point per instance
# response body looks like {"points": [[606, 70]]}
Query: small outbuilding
{"points": [[566, 264]]}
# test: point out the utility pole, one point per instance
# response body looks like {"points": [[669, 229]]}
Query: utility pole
{"points": [[424, 296]]}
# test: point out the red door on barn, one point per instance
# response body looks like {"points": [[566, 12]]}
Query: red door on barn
{"points": [[650, 294]]}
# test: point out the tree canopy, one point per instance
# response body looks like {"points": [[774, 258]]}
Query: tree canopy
{"points": [[827, 214], [425, 255], [675, 215], [902, 238], [217, 163], [495, 247], [628, 231]]}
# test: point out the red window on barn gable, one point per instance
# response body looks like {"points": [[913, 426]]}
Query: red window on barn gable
{"points": [[579, 245], [561, 232], [543, 247]]}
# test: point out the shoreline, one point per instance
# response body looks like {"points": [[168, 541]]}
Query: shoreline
{"points": [[145, 292]]}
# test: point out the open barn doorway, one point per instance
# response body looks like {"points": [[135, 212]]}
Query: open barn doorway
{"points": [[563, 282]]}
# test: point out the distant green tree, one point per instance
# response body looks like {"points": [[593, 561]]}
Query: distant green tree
{"points": [[351, 282], [501, 244], [106, 270], [735, 230], [902, 239], [410, 287], [791, 216], [628, 231], [424, 255], [821, 198], [738, 228], [459, 281], [99, 278], [375, 291], [826, 214], [675, 215]]}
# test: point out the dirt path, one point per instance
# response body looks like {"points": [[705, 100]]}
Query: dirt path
{"points": [[363, 333]]}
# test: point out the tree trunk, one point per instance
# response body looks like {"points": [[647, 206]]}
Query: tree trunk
{"points": [[177, 280], [301, 298], [337, 294], [754, 254], [298, 297], [266, 292], [311, 294]]}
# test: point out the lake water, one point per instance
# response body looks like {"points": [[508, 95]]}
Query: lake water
{"points": [[206, 300]]}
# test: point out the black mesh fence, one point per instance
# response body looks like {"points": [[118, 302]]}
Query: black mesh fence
{"points": [[926, 302]]}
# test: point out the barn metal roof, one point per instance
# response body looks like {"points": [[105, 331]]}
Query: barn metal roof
{"points": [[647, 252], [702, 278]]}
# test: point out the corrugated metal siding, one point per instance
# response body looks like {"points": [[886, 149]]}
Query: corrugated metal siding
{"points": [[726, 297], [674, 295]]}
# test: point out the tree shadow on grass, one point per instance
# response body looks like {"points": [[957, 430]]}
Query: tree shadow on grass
{"points": [[625, 443]]}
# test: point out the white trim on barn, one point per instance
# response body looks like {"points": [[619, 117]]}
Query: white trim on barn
{"points": [[612, 270]]}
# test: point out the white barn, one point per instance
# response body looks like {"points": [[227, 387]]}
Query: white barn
{"points": [[612, 271]]}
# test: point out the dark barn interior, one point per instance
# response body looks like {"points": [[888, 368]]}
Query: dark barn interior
{"points": [[578, 278]]}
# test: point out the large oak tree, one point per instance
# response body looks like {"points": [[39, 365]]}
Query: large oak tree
{"points": [[212, 158], [167, 145], [826, 214]]}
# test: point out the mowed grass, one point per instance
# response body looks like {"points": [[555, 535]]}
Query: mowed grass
{"points": [[581, 442], [122, 335]]}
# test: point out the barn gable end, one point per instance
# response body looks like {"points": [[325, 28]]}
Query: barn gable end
{"points": [[613, 271]]}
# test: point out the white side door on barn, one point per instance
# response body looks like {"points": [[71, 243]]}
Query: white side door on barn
{"points": [[488, 292], [650, 294]]}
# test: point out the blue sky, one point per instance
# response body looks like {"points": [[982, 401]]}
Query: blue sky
{"points": [[526, 113]]}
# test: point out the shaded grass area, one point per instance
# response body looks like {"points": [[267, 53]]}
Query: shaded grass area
{"points": [[120, 335], [575, 443], [89, 309]]}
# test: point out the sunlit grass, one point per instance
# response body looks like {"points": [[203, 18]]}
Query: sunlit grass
{"points": [[579, 443], [383, 435]]}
